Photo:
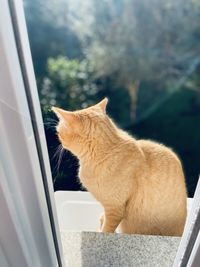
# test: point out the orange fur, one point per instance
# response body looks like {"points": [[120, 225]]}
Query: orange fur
{"points": [[140, 183]]}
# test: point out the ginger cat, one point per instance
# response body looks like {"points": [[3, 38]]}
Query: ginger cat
{"points": [[140, 183]]}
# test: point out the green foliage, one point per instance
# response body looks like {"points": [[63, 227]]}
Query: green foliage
{"points": [[72, 84], [69, 84], [139, 40]]}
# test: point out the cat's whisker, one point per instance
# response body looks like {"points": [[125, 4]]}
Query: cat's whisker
{"points": [[60, 159], [57, 152], [51, 122], [48, 126], [53, 127], [59, 155], [57, 166]]}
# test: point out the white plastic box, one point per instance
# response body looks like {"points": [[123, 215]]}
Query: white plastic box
{"points": [[79, 211]]}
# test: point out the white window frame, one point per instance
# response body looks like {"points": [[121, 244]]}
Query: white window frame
{"points": [[29, 233], [187, 254]]}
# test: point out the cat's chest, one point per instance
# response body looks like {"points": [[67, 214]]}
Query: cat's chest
{"points": [[90, 177]]}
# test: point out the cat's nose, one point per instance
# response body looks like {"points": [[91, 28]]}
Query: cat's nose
{"points": [[53, 109], [56, 111]]}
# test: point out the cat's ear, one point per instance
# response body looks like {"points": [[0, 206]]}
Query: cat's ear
{"points": [[67, 116], [103, 104]]}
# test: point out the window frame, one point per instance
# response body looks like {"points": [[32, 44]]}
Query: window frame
{"points": [[187, 254], [19, 93], [27, 198]]}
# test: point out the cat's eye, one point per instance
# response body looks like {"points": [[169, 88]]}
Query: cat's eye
{"points": [[144, 55]]}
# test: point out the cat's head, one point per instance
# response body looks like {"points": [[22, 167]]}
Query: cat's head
{"points": [[77, 130]]}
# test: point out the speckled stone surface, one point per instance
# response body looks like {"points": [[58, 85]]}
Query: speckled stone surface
{"points": [[87, 249]]}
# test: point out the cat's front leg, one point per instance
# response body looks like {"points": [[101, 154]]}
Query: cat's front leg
{"points": [[101, 220], [111, 220]]}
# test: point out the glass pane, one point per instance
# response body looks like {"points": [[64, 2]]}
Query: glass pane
{"points": [[142, 55], [85, 50]]}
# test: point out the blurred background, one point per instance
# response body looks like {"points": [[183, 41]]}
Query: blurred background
{"points": [[143, 54]]}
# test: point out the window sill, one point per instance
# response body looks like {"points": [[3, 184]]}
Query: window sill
{"points": [[87, 249], [79, 212]]}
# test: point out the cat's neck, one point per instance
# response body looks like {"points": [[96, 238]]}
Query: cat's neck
{"points": [[102, 149]]}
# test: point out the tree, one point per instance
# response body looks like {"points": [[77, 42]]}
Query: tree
{"points": [[137, 40], [69, 83], [72, 84], [49, 33]]}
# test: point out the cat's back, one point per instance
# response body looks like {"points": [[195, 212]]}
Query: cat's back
{"points": [[158, 152], [163, 164], [161, 196]]}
